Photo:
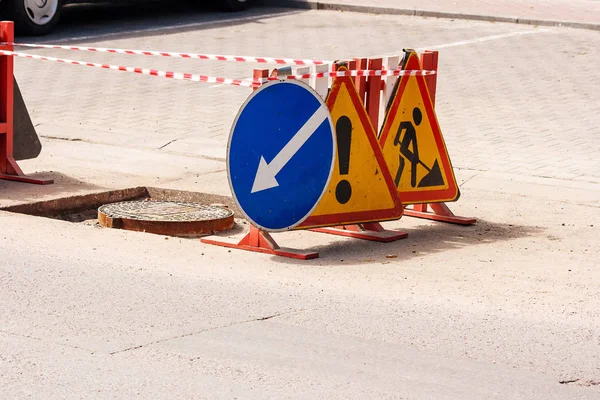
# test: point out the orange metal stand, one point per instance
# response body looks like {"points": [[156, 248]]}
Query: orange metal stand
{"points": [[370, 231], [439, 212], [260, 242], [9, 169]]}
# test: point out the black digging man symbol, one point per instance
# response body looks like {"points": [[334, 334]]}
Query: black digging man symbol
{"points": [[343, 131], [409, 151]]}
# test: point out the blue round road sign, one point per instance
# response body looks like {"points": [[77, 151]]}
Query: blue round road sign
{"points": [[280, 155]]}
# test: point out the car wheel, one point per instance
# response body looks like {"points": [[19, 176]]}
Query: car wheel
{"points": [[33, 17], [236, 5]]}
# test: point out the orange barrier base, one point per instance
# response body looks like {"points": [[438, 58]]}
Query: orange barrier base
{"points": [[260, 242], [439, 212], [15, 174], [371, 231]]}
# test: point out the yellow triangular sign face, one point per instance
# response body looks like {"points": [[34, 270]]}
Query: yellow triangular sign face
{"points": [[361, 188], [413, 145]]}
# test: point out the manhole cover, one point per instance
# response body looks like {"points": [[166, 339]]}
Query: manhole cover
{"points": [[166, 217]]}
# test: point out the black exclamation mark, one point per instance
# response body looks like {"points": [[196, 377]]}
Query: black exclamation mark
{"points": [[343, 130]]}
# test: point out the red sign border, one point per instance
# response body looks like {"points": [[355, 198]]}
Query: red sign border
{"points": [[452, 193]]}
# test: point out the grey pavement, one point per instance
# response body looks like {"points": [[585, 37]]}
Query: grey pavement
{"points": [[506, 309], [536, 113], [572, 13]]}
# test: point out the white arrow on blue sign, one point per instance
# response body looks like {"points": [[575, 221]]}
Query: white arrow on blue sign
{"points": [[281, 154]]}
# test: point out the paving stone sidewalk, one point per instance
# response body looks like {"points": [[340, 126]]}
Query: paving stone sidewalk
{"points": [[573, 13], [511, 99]]}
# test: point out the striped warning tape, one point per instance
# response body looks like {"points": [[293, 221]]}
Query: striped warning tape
{"points": [[360, 72], [218, 80], [142, 71], [213, 57]]}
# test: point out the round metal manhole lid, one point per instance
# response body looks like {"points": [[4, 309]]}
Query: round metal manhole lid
{"points": [[166, 217]]}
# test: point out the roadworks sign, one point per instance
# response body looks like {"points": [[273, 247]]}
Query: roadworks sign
{"points": [[413, 145], [361, 188]]}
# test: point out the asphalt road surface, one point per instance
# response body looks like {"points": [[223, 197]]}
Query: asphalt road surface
{"points": [[505, 309]]}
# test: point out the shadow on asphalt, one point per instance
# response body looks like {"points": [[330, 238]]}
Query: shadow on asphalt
{"points": [[422, 241], [25, 192], [119, 19]]}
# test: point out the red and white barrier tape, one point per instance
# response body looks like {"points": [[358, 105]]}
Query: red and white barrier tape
{"points": [[211, 79], [361, 72], [142, 71], [213, 57]]}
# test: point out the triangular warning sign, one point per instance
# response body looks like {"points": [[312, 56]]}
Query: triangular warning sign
{"points": [[413, 145], [361, 188]]}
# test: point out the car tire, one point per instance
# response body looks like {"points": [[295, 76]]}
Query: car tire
{"points": [[235, 5], [32, 21]]}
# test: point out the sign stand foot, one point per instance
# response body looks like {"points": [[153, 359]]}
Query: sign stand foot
{"points": [[371, 231], [14, 173], [440, 212], [260, 242]]}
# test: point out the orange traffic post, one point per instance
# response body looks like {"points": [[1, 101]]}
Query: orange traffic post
{"points": [[361, 81], [429, 61], [374, 87], [9, 169]]}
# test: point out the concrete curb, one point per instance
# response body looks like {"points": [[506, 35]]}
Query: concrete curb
{"points": [[320, 5]]}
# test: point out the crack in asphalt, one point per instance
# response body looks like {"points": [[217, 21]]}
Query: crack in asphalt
{"points": [[168, 143], [157, 341], [66, 139], [580, 382], [208, 330], [47, 340]]}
